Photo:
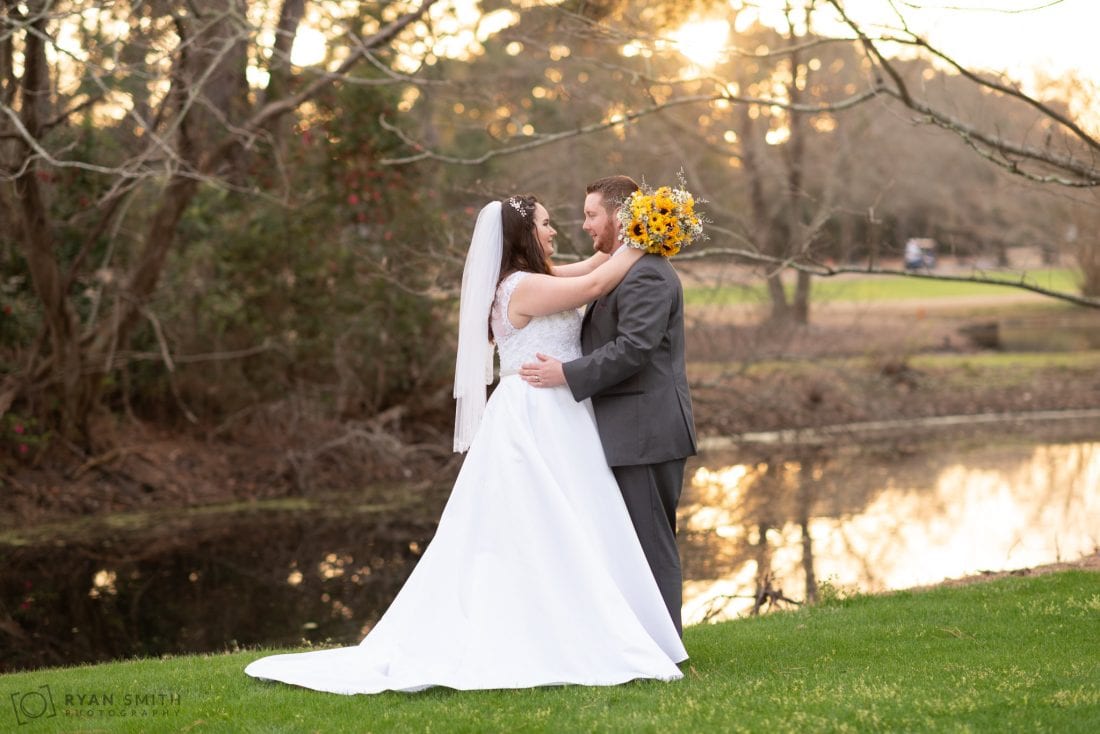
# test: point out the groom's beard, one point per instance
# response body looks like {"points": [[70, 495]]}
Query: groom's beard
{"points": [[607, 240]]}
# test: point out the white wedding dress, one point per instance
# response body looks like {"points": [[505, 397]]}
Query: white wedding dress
{"points": [[534, 577]]}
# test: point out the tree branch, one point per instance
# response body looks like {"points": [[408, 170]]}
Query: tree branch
{"points": [[824, 270], [279, 107], [549, 138], [1088, 175], [1045, 109]]}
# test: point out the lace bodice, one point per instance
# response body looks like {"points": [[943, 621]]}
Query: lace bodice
{"points": [[557, 335]]}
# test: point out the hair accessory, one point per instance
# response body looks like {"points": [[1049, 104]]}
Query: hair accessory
{"points": [[517, 204]]}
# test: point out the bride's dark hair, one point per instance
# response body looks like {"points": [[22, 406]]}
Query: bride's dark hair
{"points": [[521, 249]]}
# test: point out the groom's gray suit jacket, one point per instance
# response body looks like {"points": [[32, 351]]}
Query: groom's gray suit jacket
{"points": [[633, 367]]}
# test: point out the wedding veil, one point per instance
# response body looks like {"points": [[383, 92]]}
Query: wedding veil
{"points": [[474, 366]]}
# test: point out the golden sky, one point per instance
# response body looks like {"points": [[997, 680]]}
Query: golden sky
{"points": [[1019, 37]]}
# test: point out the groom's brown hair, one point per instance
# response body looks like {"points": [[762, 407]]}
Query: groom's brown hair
{"points": [[614, 189]]}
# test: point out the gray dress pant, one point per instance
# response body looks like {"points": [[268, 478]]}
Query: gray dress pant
{"points": [[651, 492]]}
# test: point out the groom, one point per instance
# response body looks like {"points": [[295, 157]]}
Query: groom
{"points": [[633, 370]]}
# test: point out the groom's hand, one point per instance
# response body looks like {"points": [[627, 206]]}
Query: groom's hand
{"points": [[546, 372]]}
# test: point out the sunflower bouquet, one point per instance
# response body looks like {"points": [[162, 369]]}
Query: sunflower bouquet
{"points": [[660, 221]]}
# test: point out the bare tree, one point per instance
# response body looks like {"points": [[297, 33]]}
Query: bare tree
{"points": [[169, 81], [784, 227], [1076, 167]]}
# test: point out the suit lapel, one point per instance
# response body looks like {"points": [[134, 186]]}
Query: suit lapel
{"points": [[588, 312]]}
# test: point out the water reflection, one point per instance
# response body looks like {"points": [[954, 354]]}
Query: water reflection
{"points": [[200, 583], [754, 533]]}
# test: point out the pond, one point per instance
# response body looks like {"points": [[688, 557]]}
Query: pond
{"points": [[873, 519], [278, 573], [322, 570]]}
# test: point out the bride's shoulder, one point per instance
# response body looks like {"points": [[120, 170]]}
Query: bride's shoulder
{"points": [[509, 282]]}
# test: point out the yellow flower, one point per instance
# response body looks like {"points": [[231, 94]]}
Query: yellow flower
{"points": [[660, 221]]}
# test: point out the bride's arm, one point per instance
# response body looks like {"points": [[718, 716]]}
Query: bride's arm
{"points": [[584, 267], [540, 295]]}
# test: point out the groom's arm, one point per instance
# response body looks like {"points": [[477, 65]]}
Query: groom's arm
{"points": [[645, 302]]}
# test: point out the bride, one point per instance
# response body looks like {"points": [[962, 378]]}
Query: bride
{"points": [[535, 575]]}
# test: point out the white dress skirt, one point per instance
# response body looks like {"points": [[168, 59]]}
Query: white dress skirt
{"points": [[535, 575]]}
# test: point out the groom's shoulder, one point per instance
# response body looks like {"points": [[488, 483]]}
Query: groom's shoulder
{"points": [[654, 263], [655, 266]]}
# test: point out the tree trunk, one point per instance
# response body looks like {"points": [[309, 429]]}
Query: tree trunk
{"points": [[801, 306], [290, 16], [38, 246], [8, 82], [1081, 236], [780, 308], [216, 60], [796, 161], [874, 239], [763, 235]]}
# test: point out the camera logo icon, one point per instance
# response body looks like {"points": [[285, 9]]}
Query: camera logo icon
{"points": [[36, 704]]}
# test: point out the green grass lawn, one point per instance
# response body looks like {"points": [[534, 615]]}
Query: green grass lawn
{"points": [[1009, 361], [887, 287], [1019, 654], [1001, 366]]}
